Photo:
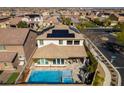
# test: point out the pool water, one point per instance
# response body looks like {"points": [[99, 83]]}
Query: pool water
{"points": [[50, 77]]}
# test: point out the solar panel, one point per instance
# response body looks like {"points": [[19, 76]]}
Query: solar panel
{"points": [[60, 33]]}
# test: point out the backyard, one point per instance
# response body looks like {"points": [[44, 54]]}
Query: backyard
{"points": [[90, 67], [12, 78], [98, 80]]}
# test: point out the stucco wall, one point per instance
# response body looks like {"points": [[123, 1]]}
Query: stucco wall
{"points": [[47, 42]]}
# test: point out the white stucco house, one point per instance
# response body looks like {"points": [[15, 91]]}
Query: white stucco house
{"points": [[59, 47], [32, 18]]}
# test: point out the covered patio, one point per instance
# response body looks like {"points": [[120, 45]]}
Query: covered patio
{"points": [[66, 64], [54, 55]]}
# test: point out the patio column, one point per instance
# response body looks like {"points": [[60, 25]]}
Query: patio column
{"points": [[84, 60]]}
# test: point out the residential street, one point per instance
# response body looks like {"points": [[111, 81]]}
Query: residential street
{"points": [[119, 60]]}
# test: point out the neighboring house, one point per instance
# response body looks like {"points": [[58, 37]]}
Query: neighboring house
{"points": [[45, 15], [18, 40], [8, 60], [75, 20], [3, 25], [4, 22], [32, 18], [13, 22], [52, 20], [5, 13], [91, 17], [58, 46], [106, 15], [121, 17]]}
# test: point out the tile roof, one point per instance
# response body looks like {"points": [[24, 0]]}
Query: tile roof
{"points": [[52, 19], [60, 26], [55, 51], [7, 56], [15, 20], [13, 36]]}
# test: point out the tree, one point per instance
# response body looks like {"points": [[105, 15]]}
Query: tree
{"points": [[98, 22], [80, 26], [22, 24], [121, 26], [107, 22], [120, 37], [66, 21], [113, 17], [89, 24]]}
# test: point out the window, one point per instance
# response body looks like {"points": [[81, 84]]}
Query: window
{"points": [[60, 42], [36, 19], [42, 61], [46, 61], [58, 61], [38, 62], [2, 47], [54, 61], [69, 42], [62, 61], [76, 42], [41, 42]]}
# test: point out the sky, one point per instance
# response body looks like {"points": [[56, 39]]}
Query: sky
{"points": [[61, 3]]}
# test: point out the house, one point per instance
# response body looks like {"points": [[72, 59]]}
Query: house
{"points": [[8, 60], [45, 14], [121, 17], [19, 41], [13, 22], [52, 20], [32, 19], [59, 47], [60, 55], [5, 13], [4, 22]]}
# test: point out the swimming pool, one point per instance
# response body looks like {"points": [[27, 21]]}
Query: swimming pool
{"points": [[50, 77]]}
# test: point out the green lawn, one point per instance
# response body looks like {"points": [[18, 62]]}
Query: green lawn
{"points": [[90, 24], [98, 80], [12, 78]]}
